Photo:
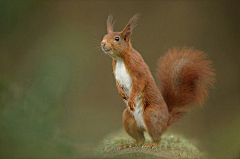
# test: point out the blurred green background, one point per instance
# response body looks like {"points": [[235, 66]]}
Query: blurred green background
{"points": [[57, 92]]}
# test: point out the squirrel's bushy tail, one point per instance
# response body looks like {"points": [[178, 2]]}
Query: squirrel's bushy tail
{"points": [[184, 76]]}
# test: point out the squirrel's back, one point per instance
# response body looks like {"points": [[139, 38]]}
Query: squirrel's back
{"points": [[184, 76]]}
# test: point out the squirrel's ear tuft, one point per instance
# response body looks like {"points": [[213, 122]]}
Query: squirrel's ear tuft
{"points": [[110, 24], [127, 31]]}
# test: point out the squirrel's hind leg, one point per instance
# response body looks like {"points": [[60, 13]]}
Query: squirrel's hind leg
{"points": [[132, 129], [155, 119]]}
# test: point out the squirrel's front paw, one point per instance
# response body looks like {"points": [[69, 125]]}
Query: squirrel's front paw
{"points": [[131, 105], [125, 97]]}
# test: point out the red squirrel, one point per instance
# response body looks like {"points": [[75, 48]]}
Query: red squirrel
{"points": [[184, 76]]}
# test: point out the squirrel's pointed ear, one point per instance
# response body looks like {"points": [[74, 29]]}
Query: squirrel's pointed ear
{"points": [[127, 31], [110, 24]]}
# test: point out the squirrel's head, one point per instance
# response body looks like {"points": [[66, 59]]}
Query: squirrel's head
{"points": [[115, 44]]}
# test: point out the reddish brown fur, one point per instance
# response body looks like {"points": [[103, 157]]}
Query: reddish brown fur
{"points": [[121, 92], [132, 129], [142, 80], [184, 75]]}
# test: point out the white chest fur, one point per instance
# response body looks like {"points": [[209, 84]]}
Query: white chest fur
{"points": [[125, 80], [122, 76]]}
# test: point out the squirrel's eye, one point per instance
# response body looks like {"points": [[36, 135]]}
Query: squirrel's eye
{"points": [[117, 38]]}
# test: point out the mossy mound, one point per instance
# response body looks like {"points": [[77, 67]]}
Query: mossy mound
{"points": [[171, 147]]}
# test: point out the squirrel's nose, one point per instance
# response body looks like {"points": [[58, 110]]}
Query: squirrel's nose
{"points": [[103, 43]]}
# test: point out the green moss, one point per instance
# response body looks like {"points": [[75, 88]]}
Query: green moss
{"points": [[172, 146]]}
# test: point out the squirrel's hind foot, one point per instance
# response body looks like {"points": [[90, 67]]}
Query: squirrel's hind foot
{"points": [[153, 145], [125, 145]]}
